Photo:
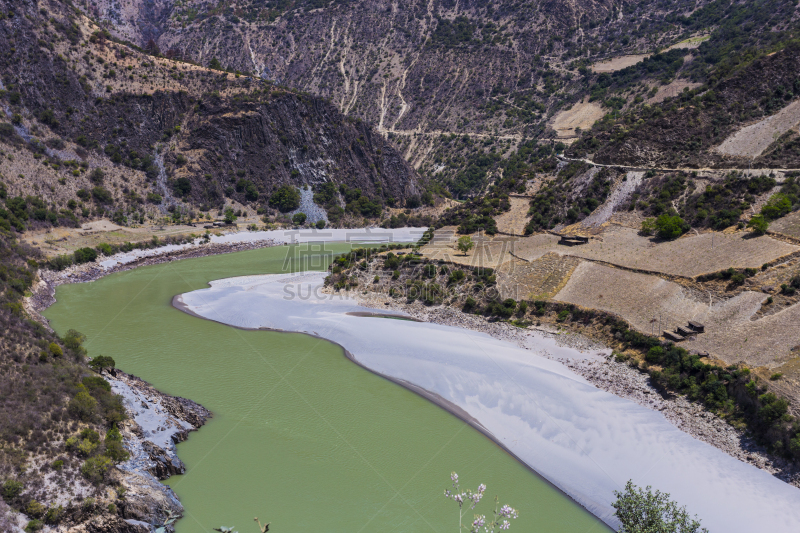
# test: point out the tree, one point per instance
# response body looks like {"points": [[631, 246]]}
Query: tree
{"points": [[230, 216], [759, 224], [670, 226], [465, 244], [642, 511], [101, 362], [285, 198], [299, 219], [215, 64], [113, 444]]}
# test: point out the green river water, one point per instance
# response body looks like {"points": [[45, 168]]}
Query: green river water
{"points": [[301, 437]]}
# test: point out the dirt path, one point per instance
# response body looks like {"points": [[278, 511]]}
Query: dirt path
{"points": [[679, 169]]}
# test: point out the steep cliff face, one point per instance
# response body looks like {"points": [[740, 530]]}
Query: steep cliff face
{"points": [[286, 139], [186, 135]]}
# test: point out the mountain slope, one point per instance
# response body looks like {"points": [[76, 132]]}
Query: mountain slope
{"points": [[165, 132]]}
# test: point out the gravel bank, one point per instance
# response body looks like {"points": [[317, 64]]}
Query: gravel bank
{"points": [[604, 372]]}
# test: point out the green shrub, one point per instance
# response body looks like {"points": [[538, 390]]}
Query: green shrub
{"points": [[85, 255], [320, 224], [182, 187], [61, 262], [53, 515], [100, 363], [35, 509], [102, 195], [96, 176], [777, 206], [759, 224], [86, 447], [11, 489], [563, 315], [105, 248], [34, 525], [299, 219], [641, 510], [55, 350], [114, 449], [58, 464], [95, 468], [83, 406]]}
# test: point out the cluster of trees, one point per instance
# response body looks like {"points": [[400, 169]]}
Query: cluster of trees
{"points": [[20, 212], [554, 203]]}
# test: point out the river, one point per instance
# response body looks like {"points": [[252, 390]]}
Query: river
{"points": [[301, 436]]}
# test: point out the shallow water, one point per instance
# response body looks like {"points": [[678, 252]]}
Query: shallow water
{"points": [[301, 436]]}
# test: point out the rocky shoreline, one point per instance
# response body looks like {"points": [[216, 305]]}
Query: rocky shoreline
{"points": [[156, 423], [601, 369]]}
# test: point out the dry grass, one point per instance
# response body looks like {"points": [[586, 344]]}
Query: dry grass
{"points": [[671, 90], [788, 225], [618, 63], [768, 341], [638, 298], [60, 240], [691, 42], [538, 280], [488, 252], [514, 220], [689, 256], [582, 115], [752, 140]]}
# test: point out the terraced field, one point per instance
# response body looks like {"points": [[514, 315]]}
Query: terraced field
{"points": [[689, 256], [638, 298], [788, 225], [488, 252], [538, 280], [750, 141], [651, 304], [582, 115]]}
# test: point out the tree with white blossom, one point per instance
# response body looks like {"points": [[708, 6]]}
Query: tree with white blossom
{"points": [[468, 499]]}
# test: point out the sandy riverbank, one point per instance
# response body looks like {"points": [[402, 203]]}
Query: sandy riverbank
{"points": [[603, 371]]}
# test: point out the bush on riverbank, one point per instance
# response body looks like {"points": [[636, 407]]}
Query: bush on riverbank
{"points": [[88, 255]]}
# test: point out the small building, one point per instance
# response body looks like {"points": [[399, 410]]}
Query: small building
{"points": [[673, 336], [572, 240], [697, 326], [686, 332]]}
